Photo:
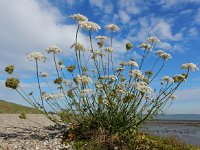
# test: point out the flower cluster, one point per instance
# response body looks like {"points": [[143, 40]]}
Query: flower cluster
{"points": [[159, 52], [79, 17], [146, 46], [71, 68], [167, 79], [99, 53], [12, 83], [78, 47], [60, 66], [129, 46], [112, 27], [36, 56], [54, 49], [112, 78], [9, 69], [109, 49], [101, 37], [83, 79], [133, 63], [153, 39], [179, 78], [190, 66], [90, 26], [58, 80], [56, 96], [143, 87], [163, 55], [136, 73], [43, 74]]}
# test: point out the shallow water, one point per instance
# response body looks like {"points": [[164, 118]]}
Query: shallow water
{"points": [[186, 131]]}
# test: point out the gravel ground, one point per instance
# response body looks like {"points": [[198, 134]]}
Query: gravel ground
{"points": [[35, 133]]}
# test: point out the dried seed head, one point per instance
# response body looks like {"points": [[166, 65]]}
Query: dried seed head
{"points": [[12, 83], [9, 69]]}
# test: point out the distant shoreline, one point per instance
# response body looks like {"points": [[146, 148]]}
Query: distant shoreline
{"points": [[182, 122]]}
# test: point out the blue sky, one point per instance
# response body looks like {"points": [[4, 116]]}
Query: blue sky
{"points": [[36, 24]]}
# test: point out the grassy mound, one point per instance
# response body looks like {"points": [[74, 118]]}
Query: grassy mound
{"points": [[99, 140], [12, 108]]}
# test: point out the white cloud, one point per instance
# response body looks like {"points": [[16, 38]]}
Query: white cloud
{"points": [[98, 3], [70, 2], [197, 17], [108, 8], [162, 28], [188, 95], [165, 46], [104, 5], [168, 4], [155, 26], [132, 7], [186, 12], [32, 26], [125, 18], [193, 32], [172, 48], [187, 102]]}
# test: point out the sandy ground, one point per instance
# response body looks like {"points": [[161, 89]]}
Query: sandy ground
{"points": [[35, 133]]}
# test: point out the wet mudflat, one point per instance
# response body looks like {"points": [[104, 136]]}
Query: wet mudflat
{"points": [[186, 131]]}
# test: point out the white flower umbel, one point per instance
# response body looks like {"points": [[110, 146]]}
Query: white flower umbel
{"points": [[97, 52], [43, 74], [56, 96], [36, 56], [79, 17], [60, 66], [159, 52], [78, 47], [53, 49], [90, 26], [165, 56], [133, 63], [153, 39], [83, 79], [167, 79], [109, 49], [190, 66], [101, 37], [112, 27], [111, 78], [146, 46], [143, 87], [136, 73]]}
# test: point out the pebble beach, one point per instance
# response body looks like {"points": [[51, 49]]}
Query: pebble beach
{"points": [[35, 133]]}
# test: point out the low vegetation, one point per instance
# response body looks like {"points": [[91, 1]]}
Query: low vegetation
{"points": [[12, 108], [99, 140]]}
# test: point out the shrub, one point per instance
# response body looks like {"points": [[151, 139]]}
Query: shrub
{"points": [[100, 95]]}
